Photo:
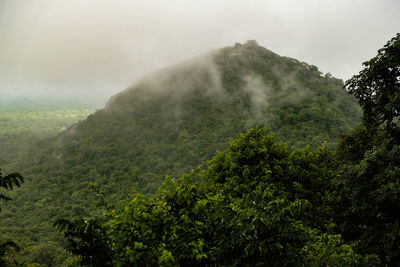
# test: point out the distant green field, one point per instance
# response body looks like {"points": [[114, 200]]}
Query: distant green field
{"points": [[23, 122]]}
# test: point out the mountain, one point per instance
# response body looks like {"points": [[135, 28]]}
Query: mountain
{"points": [[168, 123]]}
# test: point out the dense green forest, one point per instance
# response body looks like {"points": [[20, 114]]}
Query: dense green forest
{"points": [[259, 202], [23, 123], [167, 124]]}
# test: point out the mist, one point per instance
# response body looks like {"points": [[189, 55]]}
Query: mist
{"points": [[95, 48]]}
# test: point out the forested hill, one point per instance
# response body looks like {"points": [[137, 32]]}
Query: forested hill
{"points": [[176, 118], [171, 121]]}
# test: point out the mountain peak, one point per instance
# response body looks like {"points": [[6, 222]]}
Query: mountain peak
{"points": [[250, 47], [249, 43]]}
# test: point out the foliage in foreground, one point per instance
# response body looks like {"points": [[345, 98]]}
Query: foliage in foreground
{"points": [[7, 183], [368, 182], [252, 206]]}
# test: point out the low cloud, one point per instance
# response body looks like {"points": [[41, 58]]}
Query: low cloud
{"points": [[96, 48], [257, 90]]}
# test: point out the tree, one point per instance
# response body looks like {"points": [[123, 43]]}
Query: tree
{"points": [[7, 182], [253, 206], [368, 193], [88, 239], [46, 255], [377, 87], [368, 184]]}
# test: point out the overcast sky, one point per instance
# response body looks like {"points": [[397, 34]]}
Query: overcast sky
{"points": [[95, 48]]}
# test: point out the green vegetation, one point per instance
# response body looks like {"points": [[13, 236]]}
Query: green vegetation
{"points": [[369, 182], [261, 201], [169, 123], [255, 204], [23, 122], [259, 204], [7, 183]]}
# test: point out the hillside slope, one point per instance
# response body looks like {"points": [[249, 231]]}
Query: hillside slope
{"points": [[171, 121]]}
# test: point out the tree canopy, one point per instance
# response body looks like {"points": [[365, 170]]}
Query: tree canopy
{"points": [[252, 206], [377, 86], [368, 184]]}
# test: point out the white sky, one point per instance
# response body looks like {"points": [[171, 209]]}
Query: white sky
{"points": [[95, 48]]}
